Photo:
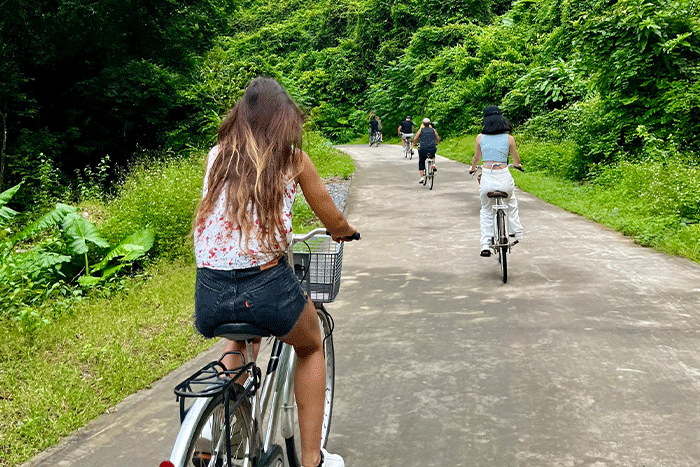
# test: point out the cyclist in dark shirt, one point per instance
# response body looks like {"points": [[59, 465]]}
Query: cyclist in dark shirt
{"points": [[428, 138], [406, 131], [374, 126]]}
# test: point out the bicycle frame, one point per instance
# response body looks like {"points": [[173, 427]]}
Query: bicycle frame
{"points": [[499, 206]]}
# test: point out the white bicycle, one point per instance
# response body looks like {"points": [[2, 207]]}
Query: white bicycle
{"points": [[407, 142], [500, 242]]}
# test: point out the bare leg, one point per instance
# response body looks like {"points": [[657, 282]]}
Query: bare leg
{"points": [[234, 360], [309, 382]]}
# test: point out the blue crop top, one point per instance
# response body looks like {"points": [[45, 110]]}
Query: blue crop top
{"points": [[494, 147]]}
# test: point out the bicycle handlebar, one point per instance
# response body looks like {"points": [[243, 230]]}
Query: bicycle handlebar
{"points": [[509, 166], [321, 231]]}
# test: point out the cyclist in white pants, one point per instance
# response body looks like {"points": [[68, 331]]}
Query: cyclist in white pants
{"points": [[405, 130], [493, 145]]}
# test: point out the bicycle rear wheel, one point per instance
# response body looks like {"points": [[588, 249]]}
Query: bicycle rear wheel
{"points": [[293, 443], [431, 175], [207, 442], [503, 243]]}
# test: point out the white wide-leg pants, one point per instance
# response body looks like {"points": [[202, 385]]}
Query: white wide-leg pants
{"points": [[497, 180]]}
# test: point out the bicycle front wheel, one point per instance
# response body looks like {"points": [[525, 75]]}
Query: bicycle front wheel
{"points": [[293, 443], [503, 242], [207, 442]]}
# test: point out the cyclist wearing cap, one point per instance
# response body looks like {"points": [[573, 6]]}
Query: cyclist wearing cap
{"points": [[428, 138], [406, 131]]}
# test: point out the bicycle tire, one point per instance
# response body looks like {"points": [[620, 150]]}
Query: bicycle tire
{"points": [[292, 444], [200, 449], [503, 243], [431, 177]]}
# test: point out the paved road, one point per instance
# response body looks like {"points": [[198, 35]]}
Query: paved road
{"points": [[588, 356]]}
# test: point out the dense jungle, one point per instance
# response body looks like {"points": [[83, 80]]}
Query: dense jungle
{"points": [[108, 107]]}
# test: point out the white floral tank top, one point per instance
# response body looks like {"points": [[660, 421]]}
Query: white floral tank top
{"points": [[219, 244]]}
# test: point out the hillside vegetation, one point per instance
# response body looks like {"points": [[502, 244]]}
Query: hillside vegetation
{"points": [[89, 86], [106, 110]]}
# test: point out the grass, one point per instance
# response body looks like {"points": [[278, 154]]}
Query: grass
{"points": [[123, 337], [60, 377], [329, 161]]}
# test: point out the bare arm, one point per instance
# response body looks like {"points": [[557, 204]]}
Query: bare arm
{"points": [[437, 137], [477, 154], [513, 152], [321, 202], [415, 138]]}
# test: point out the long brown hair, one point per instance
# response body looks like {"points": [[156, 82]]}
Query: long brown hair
{"points": [[259, 145]]}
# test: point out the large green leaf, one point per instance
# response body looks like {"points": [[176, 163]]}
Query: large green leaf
{"points": [[51, 219], [87, 281], [80, 231], [7, 195], [5, 212], [129, 249]]}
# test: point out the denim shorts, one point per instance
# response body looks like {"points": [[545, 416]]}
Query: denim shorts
{"points": [[271, 299]]}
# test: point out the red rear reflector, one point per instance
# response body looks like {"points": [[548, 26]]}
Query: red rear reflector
{"points": [[166, 464]]}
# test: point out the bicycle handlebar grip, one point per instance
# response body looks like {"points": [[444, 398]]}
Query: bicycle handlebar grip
{"points": [[520, 169], [355, 236]]}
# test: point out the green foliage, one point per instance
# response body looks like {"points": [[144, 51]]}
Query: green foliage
{"points": [[544, 89], [33, 273], [59, 377], [625, 47], [83, 79], [328, 161], [161, 194]]}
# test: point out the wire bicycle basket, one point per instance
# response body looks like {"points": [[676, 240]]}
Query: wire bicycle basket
{"points": [[317, 264]]}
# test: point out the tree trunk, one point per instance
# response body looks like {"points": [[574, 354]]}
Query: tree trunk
{"points": [[3, 145]]}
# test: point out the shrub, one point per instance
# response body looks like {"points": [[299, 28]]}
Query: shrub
{"points": [[161, 195]]}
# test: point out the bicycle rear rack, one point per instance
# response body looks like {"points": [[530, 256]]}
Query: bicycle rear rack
{"points": [[214, 379]]}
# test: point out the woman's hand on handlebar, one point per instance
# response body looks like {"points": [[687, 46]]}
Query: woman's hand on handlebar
{"points": [[347, 235], [355, 236]]}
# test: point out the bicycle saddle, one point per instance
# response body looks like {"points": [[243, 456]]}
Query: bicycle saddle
{"points": [[240, 331], [497, 194]]}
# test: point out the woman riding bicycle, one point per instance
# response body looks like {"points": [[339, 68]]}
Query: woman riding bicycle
{"points": [[241, 232], [428, 138], [493, 145]]}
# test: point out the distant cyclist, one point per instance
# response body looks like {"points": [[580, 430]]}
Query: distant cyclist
{"points": [[428, 138], [406, 131], [374, 127]]}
